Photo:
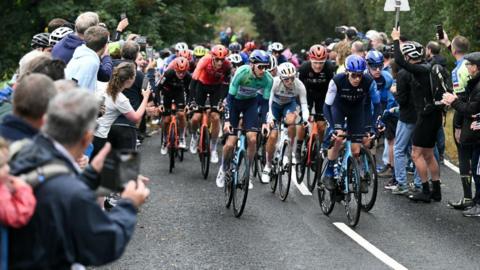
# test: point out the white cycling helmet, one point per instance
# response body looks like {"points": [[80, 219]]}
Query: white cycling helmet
{"points": [[58, 34], [181, 46], [273, 62], [287, 69], [235, 59], [276, 47], [412, 49]]}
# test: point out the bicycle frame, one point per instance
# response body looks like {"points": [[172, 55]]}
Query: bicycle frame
{"points": [[241, 142], [173, 125], [204, 123], [343, 170]]}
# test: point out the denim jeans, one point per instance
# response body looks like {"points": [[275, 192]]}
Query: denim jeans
{"points": [[385, 152], [403, 136]]}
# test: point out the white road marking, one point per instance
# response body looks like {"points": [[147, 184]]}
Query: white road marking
{"points": [[302, 187], [451, 166], [369, 247]]}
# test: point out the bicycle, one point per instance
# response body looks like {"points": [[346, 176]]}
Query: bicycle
{"points": [[238, 176], [172, 138], [281, 173], [310, 155], [260, 158], [368, 174], [348, 189]]}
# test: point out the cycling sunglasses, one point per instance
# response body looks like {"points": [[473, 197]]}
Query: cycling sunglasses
{"points": [[262, 67], [287, 79], [356, 75], [375, 67]]}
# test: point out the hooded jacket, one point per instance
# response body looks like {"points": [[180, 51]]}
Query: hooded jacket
{"points": [[83, 68]]}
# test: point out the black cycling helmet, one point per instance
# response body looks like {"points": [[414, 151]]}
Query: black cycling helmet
{"points": [[40, 41]]}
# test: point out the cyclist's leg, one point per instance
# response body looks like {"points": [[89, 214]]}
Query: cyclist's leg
{"points": [[289, 111], [250, 123], [216, 96]]}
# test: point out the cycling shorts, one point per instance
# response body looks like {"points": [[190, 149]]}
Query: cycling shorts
{"points": [[280, 111], [179, 98], [215, 92], [248, 107], [426, 129], [315, 100], [355, 120]]}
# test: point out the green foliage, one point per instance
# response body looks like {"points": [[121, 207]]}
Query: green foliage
{"points": [[239, 18], [164, 22]]}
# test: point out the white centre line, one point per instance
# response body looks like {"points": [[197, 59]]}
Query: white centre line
{"points": [[451, 166], [302, 187], [369, 247]]}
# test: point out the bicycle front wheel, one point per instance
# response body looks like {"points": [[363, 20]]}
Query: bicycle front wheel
{"points": [[285, 173], [227, 189], [205, 153], [326, 197], [171, 148], [369, 180], [353, 196], [300, 167], [240, 184], [314, 161]]}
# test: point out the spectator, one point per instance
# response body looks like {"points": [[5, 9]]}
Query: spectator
{"points": [[83, 67], [358, 48], [17, 202], [433, 55], [56, 23], [78, 229], [30, 101]]}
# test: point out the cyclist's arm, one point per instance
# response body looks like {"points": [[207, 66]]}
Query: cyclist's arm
{"points": [[375, 98], [331, 93], [303, 101], [267, 95]]}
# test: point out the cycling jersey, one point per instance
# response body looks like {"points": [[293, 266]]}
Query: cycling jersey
{"points": [[316, 84], [243, 93], [173, 88], [284, 97], [460, 76], [207, 74]]}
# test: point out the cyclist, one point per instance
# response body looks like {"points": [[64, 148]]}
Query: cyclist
{"points": [[283, 105], [198, 53], [235, 48], [40, 42], [236, 61], [185, 54], [174, 86], [209, 75], [277, 48], [249, 47], [273, 65], [315, 74], [347, 95], [244, 87], [58, 34], [179, 47]]}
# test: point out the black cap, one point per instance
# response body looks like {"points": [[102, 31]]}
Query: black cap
{"points": [[351, 33], [473, 58]]}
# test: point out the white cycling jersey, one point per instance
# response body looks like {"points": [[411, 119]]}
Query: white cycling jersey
{"points": [[282, 95]]}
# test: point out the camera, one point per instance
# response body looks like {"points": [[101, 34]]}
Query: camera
{"points": [[119, 167]]}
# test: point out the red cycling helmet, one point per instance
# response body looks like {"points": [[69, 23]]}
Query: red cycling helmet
{"points": [[317, 53], [250, 46], [219, 51], [186, 54], [181, 64]]}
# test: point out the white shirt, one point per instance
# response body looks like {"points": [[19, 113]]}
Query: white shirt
{"points": [[112, 111]]}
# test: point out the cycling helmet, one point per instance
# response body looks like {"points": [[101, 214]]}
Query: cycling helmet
{"points": [[276, 47], [199, 51], [259, 57], [181, 46], [273, 62], [235, 59], [287, 69], [219, 51], [58, 34], [412, 49], [374, 58], [317, 53], [186, 54], [181, 64], [355, 63], [40, 41], [250, 46], [235, 47]]}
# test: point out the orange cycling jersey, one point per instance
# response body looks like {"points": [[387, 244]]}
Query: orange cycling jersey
{"points": [[207, 74]]}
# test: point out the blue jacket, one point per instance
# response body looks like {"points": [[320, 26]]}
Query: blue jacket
{"points": [[83, 68], [68, 225], [13, 128], [65, 48]]}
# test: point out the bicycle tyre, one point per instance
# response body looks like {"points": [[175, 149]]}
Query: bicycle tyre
{"points": [[326, 197], [354, 195], [261, 157], [240, 184], [315, 157], [300, 167], [284, 186], [205, 153], [370, 175], [227, 189], [171, 147]]}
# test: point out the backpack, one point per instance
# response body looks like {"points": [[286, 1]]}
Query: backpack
{"points": [[440, 83]]}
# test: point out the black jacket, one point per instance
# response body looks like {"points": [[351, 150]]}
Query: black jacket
{"points": [[404, 97], [13, 128], [469, 107], [68, 225]]}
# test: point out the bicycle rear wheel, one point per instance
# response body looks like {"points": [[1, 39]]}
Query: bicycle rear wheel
{"points": [[368, 175], [315, 159], [285, 173], [171, 148], [326, 197], [353, 198], [260, 157], [205, 153], [240, 184], [300, 167]]}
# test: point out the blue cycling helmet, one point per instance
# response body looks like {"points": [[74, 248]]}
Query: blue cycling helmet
{"points": [[259, 57], [355, 63], [374, 58], [235, 47]]}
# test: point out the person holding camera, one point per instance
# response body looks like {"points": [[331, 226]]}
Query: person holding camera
{"points": [[429, 116], [469, 107], [68, 225]]}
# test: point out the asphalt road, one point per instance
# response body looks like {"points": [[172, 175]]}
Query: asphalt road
{"points": [[185, 225]]}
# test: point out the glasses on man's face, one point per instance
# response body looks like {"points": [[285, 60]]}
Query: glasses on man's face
{"points": [[262, 67], [375, 68], [288, 79], [356, 75]]}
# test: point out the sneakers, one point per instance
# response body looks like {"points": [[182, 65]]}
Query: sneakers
{"points": [[286, 160], [472, 212], [220, 178], [164, 149], [214, 157], [391, 184], [420, 197], [266, 174], [193, 144], [386, 173], [461, 204], [400, 190], [181, 142], [329, 182]]}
